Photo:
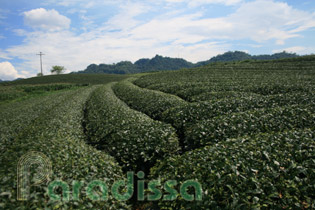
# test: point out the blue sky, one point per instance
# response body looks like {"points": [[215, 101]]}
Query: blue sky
{"points": [[76, 33]]}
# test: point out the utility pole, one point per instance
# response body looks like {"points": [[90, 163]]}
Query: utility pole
{"points": [[41, 63]]}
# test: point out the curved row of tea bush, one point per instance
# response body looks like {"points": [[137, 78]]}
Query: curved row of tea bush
{"points": [[133, 138], [190, 91], [57, 133], [213, 96], [267, 89], [249, 122], [182, 116], [152, 103], [17, 116], [267, 171], [261, 78], [8, 93]]}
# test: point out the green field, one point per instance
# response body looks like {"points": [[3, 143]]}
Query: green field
{"points": [[243, 130]]}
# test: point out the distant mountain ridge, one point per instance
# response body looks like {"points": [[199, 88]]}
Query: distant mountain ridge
{"points": [[142, 65], [10, 80], [241, 56], [159, 63]]}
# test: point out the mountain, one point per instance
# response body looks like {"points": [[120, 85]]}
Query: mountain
{"points": [[159, 63], [18, 79], [241, 56], [162, 63], [142, 65], [1, 81]]}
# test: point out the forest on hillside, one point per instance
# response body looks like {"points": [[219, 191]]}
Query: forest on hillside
{"points": [[159, 63]]}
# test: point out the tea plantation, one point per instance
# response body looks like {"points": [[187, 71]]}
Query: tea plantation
{"points": [[245, 131]]}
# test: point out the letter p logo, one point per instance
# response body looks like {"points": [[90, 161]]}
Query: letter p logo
{"points": [[35, 163]]}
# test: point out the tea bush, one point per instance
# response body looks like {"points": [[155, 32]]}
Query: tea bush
{"points": [[9, 93], [55, 130], [185, 115], [15, 117], [213, 96], [152, 103], [270, 77], [264, 120], [133, 138], [266, 171]]}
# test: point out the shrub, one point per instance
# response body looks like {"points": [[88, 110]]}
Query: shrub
{"points": [[54, 129], [185, 115], [267, 171], [131, 137], [152, 103], [250, 122]]}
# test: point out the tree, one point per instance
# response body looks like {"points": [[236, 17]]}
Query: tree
{"points": [[40, 74], [57, 69]]}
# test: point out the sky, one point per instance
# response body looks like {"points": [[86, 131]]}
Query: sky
{"points": [[76, 33]]}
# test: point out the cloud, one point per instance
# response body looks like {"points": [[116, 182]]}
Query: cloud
{"points": [[260, 21], [264, 20], [46, 19], [20, 32], [4, 55], [125, 18], [84, 3], [183, 32], [77, 52], [8, 72], [196, 3]]}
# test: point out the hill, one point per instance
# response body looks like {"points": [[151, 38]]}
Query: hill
{"points": [[68, 78], [241, 56], [159, 63], [142, 65], [240, 127], [245, 131]]}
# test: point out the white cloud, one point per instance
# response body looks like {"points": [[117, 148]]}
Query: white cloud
{"points": [[196, 3], [4, 55], [77, 52], [8, 72], [263, 20], [260, 21], [280, 42], [173, 33], [83, 3], [20, 32], [125, 18], [46, 19]]}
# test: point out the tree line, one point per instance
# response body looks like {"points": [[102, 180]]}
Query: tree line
{"points": [[159, 63]]}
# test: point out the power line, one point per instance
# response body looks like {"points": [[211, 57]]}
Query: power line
{"points": [[41, 63]]}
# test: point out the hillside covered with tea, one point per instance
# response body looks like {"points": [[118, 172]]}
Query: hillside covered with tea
{"points": [[244, 130]]}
